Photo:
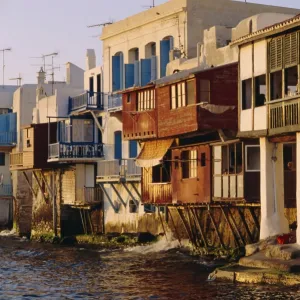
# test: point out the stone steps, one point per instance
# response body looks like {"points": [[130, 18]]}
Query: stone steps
{"points": [[284, 252]]}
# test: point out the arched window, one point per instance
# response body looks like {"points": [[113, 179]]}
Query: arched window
{"points": [[150, 50], [134, 64], [117, 71]]}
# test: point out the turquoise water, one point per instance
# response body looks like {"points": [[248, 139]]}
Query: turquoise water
{"points": [[36, 271]]}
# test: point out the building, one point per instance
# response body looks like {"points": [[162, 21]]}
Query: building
{"points": [[269, 114]]}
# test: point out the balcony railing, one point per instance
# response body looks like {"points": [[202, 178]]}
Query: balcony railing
{"points": [[88, 195], [8, 138], [75, 151], [118, 169], [284, 115], [88, 100], [115, 102], [16, 159], [6, 190]]}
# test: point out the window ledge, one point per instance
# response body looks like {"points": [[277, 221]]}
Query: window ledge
{"points": [[159, 183]]}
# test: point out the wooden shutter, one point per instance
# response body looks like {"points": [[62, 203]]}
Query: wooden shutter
{"points": [[290, 49], [275, 54]]}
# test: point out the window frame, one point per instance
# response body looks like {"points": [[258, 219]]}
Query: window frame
{"points": [[246, 158]]}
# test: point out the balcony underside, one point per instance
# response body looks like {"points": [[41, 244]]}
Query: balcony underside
{"points": [[117, 179], [74, 159]]}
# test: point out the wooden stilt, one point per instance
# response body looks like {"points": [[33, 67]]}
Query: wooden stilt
{"points": [[162, 224], [175, 228], [254, 217], [216, 228], [192, 227], [199, 226], [90, 221], [236, 227], [185, 226], [245, 224], [40, 186], [29, 185], [230, 226]]}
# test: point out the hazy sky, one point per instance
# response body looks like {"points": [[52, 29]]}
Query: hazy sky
{"points": [[36, 27]]}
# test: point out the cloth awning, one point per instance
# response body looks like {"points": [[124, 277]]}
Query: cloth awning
{"points": [[153, 152]]}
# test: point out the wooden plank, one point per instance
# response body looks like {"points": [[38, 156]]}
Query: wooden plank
{"points": [[47, 185], [28, 183], [97, 122], [162, 224], [130, 194], [118, 194], [254, 217], [175, 228], [245, 224], [108, 198], [199, 226], [40, 186], [235, 226], [283, 139], [216, 228], [185, 226], [136, 190], [192, 227]]}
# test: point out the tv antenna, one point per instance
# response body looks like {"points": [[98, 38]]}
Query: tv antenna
{"points": [[52, 67], [100, 25], [150, 6], [3, 52], [19, 80]]}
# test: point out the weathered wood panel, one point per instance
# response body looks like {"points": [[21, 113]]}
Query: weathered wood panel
{"points": [[28, 159], [68, 187]]}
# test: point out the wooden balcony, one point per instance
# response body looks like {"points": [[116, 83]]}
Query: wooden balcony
{"points": [[75, 152], [16, 161], [86, 101], [87, 196], [114, 102], [157, 193], [118, 170], [284, 115]]}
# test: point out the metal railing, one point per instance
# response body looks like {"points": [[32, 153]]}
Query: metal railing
{"points": [[7, 138], [6, 190], [72, 150], [89, 195], [89, 99], [16, 159], [118, 168], [284, 113], [114, 101]]}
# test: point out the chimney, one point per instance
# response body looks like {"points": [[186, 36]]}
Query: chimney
{"points": [[41, 77], [90, 59]]}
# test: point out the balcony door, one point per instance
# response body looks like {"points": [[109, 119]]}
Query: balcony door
{"points": [[118, 145]]}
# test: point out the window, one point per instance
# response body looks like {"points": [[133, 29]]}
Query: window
{"points": [[132, 149], [146, 100], [289, 157], [189, 164], [260, 90], [247, 94], [149, 208], [228, 174], [128, 98], [252, 158], [162, 173], [82, 130], [65, 131], [190, 87], [91, 86], [132, 207], [204, 90], [276, 85], [291, 81], [178, 95], [2, 159]]}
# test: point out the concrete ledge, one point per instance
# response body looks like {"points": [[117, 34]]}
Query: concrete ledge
{"points": [[237, 273]]}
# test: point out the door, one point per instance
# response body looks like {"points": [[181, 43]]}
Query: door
{"points": [[118, 145], [92, 86], [99, 91]]}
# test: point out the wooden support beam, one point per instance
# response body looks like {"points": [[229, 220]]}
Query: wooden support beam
{"points": [[216, 228], [108, 198], [162, 224], [245, 224], [97, 122], [40, 186], [175, 228], [185, 226], [254, 217], [29, 185], [118, 194], [193, 210], [130, 194], [136, 190], [47, 185], [193, 227], [230, 226], [236, 227], [82, 220]]}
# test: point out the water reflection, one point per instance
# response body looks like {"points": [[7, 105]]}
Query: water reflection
{"points": [[30, 271]]}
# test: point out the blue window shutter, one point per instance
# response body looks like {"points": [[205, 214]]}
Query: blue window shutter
{"points": [[13, 122], [153, 68], [129, 75], [116, 73], [118, 145], [171, 41], [121, 71], [136, 73], [145, 71], [164, 56], [132, 149]]}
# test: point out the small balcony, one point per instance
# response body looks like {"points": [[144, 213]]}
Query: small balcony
{"points": [[118, 170], [16, 160], [115, 102], [86, 101], [86, 196], [74, 152], [284, 115]]}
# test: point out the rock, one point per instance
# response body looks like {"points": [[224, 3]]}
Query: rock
{"points": [[145, 237], [251, 249], [69, 241]]}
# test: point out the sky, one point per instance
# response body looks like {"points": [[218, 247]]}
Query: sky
{"points": [[33, 28]]}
